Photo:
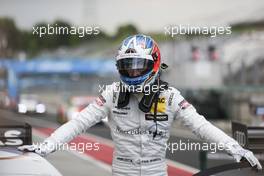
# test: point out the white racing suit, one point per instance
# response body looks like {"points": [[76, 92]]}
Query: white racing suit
{"points": [[136, 152]]}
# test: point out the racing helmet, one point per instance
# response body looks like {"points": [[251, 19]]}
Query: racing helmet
{"points": [[138, 61]]}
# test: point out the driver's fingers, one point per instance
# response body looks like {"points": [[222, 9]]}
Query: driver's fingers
{"points": [[259, 165], [256, 163], [40, 152], [27, 148], [253, 160]]}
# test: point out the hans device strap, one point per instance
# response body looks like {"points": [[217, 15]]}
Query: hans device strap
{"points": [[146, 101], [123, 98]]}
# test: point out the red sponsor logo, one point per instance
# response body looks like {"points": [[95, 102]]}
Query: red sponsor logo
{"points": [[100, 100], [184, 104]]}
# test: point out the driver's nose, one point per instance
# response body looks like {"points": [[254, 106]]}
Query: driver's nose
{"points": [[133, 73]]}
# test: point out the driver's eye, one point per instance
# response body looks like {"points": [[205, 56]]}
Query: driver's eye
{"points": [[134, 72]]}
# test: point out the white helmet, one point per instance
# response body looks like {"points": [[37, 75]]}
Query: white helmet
{"points": [[138, 62]]}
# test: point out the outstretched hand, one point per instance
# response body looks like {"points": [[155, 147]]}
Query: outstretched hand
{"points": [[240, 153], [43, 149]]}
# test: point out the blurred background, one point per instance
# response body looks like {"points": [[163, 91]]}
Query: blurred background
{"points": [[46, 80]]}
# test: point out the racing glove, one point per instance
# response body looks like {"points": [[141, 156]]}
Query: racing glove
{"points": [[240, 153], [42, 149]]}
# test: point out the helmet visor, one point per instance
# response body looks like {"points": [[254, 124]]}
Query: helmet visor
{"points": [[134, 67]]}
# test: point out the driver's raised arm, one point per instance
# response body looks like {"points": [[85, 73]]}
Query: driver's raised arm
{"points": [[88, 117], [202, 128]]}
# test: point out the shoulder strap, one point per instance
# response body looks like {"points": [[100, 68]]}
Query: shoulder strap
{"points": [[123, 98], [147, 100]]}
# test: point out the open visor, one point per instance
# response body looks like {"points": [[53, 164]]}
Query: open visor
{"points": [[134, 67]]}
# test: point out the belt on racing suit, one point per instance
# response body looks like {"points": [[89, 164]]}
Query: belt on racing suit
{"points": [[139, 161]]}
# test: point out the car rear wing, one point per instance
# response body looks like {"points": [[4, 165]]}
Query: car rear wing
{"points": [[250, 137], [15, 135]]}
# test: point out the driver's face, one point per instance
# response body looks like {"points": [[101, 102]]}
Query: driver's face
{"points": [[134, 72]]}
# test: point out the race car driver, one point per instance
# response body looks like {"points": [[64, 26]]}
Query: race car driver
{"points": [[141, 108]]}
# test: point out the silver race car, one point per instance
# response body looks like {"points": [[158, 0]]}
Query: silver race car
{"points": [[16, 163]]}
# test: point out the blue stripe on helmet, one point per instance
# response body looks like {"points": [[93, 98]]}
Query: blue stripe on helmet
{"points": [[135, 81], [149, 43], [126, 41]]}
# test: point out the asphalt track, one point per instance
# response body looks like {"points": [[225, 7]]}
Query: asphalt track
{"points": [[99, 163]]}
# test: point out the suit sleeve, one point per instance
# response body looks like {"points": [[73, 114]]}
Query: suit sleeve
{"points": [[88, 117]]}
